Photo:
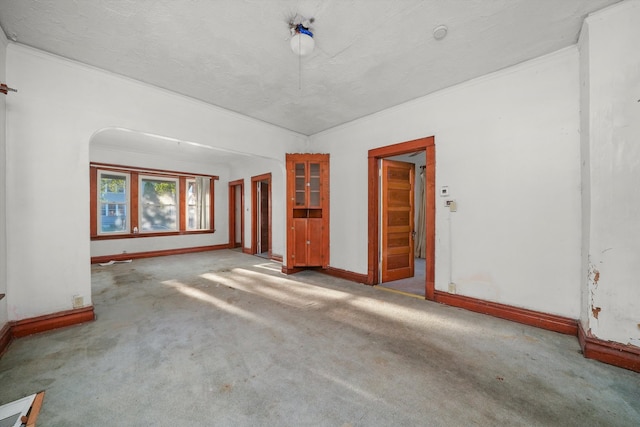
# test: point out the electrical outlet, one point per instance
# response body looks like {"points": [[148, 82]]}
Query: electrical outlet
{"points": [[452, 288], [78, 302]]}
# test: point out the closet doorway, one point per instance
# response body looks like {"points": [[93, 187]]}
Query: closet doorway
{"points": [[261, 215], [236, 214], [392, 242]]}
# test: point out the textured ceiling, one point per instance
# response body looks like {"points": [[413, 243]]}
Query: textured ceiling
{"points": [[370, 54]]}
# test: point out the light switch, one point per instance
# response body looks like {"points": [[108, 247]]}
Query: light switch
{"points": [[444, 191]]}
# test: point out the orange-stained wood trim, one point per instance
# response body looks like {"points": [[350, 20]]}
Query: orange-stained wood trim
{"points": [[151, 254], [232, 215], [93, 198], [134, 189], [402, 147], [155, 234], [212, 198], [374, 221], [5, 337], [247, 251], [430, 218], [427, 145], [255, 181], [149, 171], [345, 274], [232, 212], [182, 202], [276, 257], [612, 353], [34, 325], [538, 319]]}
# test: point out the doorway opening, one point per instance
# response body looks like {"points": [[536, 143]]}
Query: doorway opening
{"points": [[236, 214], [261, 215], [401, 219]]}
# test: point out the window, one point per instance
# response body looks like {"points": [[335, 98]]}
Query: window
{"points": [[158, 206], [137, 202], [113, 207], [198, 200]]}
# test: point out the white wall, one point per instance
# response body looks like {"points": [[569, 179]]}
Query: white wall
{"points": [[612, 140], [508, 147], [585, 167], [3, 229], [59, 106]]}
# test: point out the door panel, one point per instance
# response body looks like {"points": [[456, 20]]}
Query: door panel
{"points": [[397, 213], [300, 241], [315, 241]]}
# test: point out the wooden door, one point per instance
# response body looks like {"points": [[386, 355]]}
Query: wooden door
{"points": [[264, 216], [397, 217]]}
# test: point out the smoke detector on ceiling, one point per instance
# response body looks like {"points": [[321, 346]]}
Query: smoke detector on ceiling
{"points": [[440, 32]]}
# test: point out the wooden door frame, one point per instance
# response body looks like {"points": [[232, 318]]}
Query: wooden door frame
{"points": [[428, 146], [232, 212], [255, 181]]}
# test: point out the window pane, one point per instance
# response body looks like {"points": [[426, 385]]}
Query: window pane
{"points": [[113, 205], [158, 205], [199, 203]]}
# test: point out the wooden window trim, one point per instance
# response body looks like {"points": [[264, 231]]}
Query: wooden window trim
{"points": [[134, 184]]}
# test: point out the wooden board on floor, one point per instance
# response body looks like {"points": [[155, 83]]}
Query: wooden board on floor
{"points": [[21, 412]]}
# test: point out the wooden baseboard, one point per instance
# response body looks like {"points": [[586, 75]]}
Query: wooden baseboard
{"points": [[276, 257], [247, 251], [34, 325], [151, 254], [345, 274], [5, 337], [538, 319], [612, 353]]}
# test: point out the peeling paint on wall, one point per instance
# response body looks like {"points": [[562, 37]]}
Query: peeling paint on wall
{"points": [[593, 278]]}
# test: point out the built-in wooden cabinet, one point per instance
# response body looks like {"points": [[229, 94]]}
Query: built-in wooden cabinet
{"points": [[307, 210]]}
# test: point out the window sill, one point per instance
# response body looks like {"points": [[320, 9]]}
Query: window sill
{"points": [[162, 234]]}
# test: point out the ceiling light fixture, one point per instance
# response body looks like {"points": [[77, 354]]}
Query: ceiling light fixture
{"points": [[302, 42]]}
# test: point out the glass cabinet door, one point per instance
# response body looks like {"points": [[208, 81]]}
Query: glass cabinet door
{"points": [[307, 185], [301, 184], [314, 185]]}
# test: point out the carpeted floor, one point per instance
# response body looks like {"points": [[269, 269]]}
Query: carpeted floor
{"points": [[225, 339]]}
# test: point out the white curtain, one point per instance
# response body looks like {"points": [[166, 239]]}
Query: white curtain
{"points": [[202, 202], [420, 232]]}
